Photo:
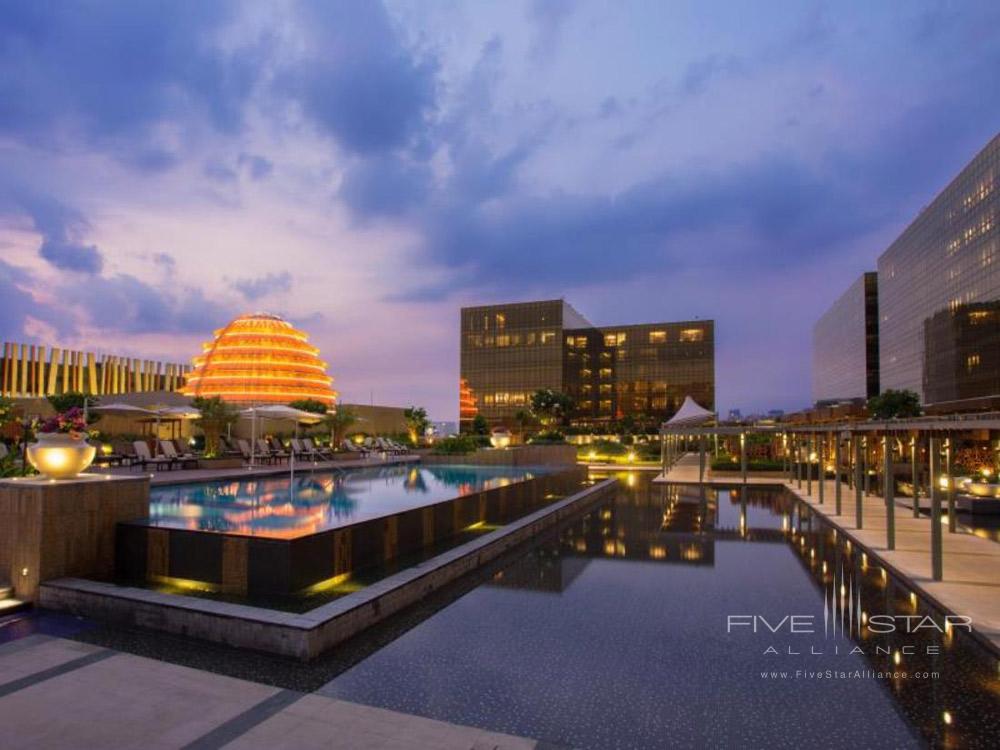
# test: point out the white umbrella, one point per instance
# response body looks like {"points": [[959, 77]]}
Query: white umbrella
{"points": [[276, 411], [124, 410]]}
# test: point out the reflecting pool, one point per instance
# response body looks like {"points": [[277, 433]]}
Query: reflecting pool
{"points": [[281, 506], [662, 619]]}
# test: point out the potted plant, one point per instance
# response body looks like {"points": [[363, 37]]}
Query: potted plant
{"points": [[61, 450]]}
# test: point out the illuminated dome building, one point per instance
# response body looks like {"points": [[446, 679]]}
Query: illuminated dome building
{"points": [[260, 358]]}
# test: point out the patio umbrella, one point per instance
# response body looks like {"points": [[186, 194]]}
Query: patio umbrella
{"points": [[277, 411]]}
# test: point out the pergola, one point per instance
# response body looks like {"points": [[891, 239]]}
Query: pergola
{"points": [[865, 452]]}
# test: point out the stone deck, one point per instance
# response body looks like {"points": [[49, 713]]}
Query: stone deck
{"points": [[59, 693]]}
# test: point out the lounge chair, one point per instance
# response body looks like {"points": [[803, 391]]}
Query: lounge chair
{"points": [[144, 458], [227, 447], [386, 445], [305, 452], [400, 448], [168, 449], [249, 455], [278, 450], [266, 452], [309, 445], [351, 447]]}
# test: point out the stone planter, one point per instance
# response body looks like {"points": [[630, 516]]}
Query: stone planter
{"points": [[59, 455]]}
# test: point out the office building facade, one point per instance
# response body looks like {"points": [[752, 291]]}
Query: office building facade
{"points": [[939, 291], [510, 351], [845, 345]]}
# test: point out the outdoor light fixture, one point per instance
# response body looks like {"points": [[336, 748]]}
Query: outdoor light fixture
{"points": [[59, 456]]}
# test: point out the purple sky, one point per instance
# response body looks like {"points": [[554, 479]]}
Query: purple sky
{"points": [[367, 170]]}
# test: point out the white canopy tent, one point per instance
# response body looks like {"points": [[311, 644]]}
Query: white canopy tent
{"points": [[691, 413]]}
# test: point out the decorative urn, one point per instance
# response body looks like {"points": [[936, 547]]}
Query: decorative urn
{"points": [[61, 450], [500, 437]]}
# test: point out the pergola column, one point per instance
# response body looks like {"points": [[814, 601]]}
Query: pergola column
{"points": [[888, 490], [809, 471], [936, 540], [858, 496], [915, 476], [743, 456], [822, 466], [837, 488], [701, 458], [952, 521]]}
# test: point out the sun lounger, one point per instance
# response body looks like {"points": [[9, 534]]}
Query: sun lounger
{"points": [[144, 458], [168, 449]]}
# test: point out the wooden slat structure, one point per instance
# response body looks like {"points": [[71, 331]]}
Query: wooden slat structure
{"points": [[29, 371]]}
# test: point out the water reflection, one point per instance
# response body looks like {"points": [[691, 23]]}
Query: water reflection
{"points": [[611, 633], [282, 507]]}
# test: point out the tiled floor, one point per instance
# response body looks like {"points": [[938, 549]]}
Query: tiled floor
{"points": [[56, 693]]}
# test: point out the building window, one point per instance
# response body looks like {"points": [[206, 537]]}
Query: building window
{"points": [[547, 337], [605, 372], [972, 362], [614, 339], [657, 337], [692, 334], [501, 321], [503, 340]]}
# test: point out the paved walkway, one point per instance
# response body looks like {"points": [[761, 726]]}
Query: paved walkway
{"points": [[685, 471], [971, 582], [57, 693]]}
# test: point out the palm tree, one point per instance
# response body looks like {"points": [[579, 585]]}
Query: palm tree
{"points": [[338, 422], [524, 419], [416, 421], [216, 416]]}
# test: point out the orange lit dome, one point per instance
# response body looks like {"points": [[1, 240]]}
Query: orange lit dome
{"points": [[260, 358]]}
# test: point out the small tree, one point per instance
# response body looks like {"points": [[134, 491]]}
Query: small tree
{"points": [[480, 426], [524, 419], [63, 402], [216, 416], [551, 407], [339, 422], [416, 421], [6, 411], [310, 405], [892, 404]]}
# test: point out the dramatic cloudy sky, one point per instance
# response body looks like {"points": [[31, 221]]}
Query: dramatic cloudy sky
{"points": [[367, 169]]}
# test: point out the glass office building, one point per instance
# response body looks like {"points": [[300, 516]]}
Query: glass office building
{"points": [[510, 351], [938, 291], [845, 345]]}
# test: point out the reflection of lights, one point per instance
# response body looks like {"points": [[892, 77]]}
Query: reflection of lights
{"points": [[913, 599], [824, 567], [946, 718], [630, 479], [897, 658], [943, 482], [657, 551], [864, 617]]}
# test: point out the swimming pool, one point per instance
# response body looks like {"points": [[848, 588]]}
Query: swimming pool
{"points": [[280, 507], [613, 633]]}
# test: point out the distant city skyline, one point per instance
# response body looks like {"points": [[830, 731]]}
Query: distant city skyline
{"points": [[366, 170]]}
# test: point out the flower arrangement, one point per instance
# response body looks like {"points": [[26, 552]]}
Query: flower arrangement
{"points": [[70, 422]]}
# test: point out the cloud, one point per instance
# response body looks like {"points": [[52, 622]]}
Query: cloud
{"points": [[549, 18], [18, 306], [358, 82], [60, 227], [386, 185], [125, 304], [257, 165], [254, 289], [107, 74]]}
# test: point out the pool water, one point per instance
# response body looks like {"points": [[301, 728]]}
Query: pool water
{"points": [[612, 633], [279, 506]]}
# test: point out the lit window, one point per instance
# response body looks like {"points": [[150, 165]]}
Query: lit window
{"points": [[503, 340], [657, 337], [692, 334], [614, 339], [501, 321], [605, 372], [547, 337], [978, 316], [972, 362]]}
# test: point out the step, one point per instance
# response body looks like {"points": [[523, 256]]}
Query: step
{"points": [[6, 591]]}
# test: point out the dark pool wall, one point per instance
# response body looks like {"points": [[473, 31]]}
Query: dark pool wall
{"points": [[251, 566]]}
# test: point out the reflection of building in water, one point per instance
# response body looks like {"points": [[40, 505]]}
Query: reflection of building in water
{"points": [[541, 572], [962, 353], [945, 262]]}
